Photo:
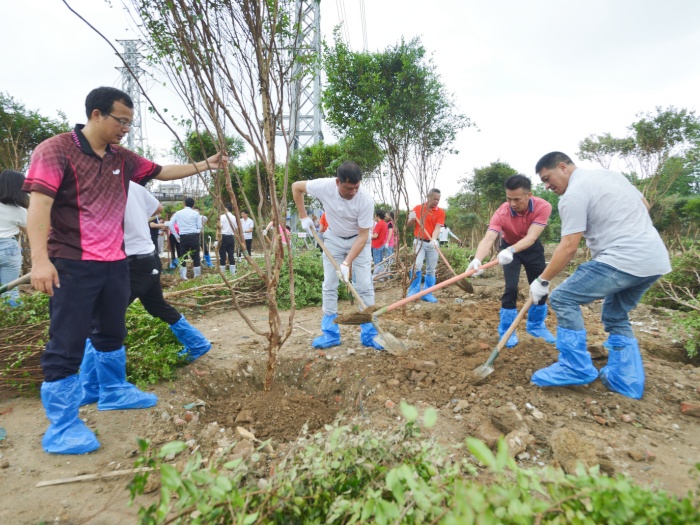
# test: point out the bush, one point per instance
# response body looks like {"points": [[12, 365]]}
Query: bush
{"points": [[680, 290], [308, 281], [345, 475]]}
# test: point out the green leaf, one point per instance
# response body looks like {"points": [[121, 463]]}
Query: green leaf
{"points": [[430, 417], [250, 518], [174, 447], [169, 477], [409, 412], [481, 452]]}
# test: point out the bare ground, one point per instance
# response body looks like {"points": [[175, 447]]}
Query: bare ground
{"points": [[650, 440]]}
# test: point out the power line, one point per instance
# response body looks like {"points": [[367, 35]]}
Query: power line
{"points": [[363, 21]]}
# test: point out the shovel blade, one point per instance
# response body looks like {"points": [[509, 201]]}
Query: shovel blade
{"points": [[391, 344], [483, 371]]}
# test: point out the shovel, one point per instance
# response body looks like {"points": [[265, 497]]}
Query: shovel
{"points": [[487, 368], [387, 340], [366, 317], [464, 285], [22, 280]]}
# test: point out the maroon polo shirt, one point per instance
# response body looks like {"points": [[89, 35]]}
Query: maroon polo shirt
{"points": [[89, 192], [514, 226]]}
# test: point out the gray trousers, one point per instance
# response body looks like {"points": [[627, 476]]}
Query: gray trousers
{"points": [[361, 271], [428, 252]]}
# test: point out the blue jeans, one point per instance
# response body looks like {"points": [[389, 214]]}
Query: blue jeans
{"points": [[594, 280], [10, 265]]}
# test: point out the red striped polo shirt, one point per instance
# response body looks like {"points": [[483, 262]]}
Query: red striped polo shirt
{"points": [[514, 226], [89, 192]]}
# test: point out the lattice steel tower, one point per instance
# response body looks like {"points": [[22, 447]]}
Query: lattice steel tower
{"points": [[305, 112], [132, 57]]}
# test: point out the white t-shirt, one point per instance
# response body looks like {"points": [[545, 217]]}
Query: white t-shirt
{"points": [[11, 218], [139, 207], [345, 217], [225, 225], [247, 224], [609, 211]]}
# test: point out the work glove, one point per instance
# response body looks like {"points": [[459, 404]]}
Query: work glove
{"points": [[474, 265], [345, 272], [412, 216], [308, 224], [505, 256], [434, 243], [386, 245], [539, 291]]}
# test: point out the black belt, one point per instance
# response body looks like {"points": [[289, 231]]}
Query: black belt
{"points": [[186, 234], [140, 256], [424, 240], [227, 235]]}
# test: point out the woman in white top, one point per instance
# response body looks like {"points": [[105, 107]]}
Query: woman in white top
{"points": [[13, 216]]}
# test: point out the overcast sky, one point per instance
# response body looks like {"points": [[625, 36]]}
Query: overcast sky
{"points": [[535, 76]]}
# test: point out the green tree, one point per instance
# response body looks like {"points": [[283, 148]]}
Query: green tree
{"points": [[22, 130]]}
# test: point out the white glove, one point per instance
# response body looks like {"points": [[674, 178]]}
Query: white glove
{"points": [[177, 237], [345, 272], [204, 218], [539, 291], [412, 216], [474, 265], [386, 245], [308, 224], [434, 243], [505, 257]]}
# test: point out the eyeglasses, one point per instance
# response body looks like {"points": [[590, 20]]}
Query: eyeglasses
{"points": [[122, 121]]}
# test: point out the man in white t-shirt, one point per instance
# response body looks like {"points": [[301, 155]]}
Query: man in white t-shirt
{"points": [[628, 256], [228, 225], [350, 215], [247, 225], [144, 278]]}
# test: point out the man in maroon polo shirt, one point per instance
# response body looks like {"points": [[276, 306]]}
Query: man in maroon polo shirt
{"points": [[519, 222], [79, 183]]}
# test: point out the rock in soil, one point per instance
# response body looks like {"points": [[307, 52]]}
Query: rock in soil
{"points": [[488, 433], [507, 419], [569, 450], [690, 409]]}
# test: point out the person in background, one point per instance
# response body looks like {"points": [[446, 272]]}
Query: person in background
{"points": [[79, 183], [226, 250], [349, 210], [627, 257], [282, 230], [390, 236], [379, 235], [203, 240], [428, 218], [13, 217], [157, 227], [248, 225], [189, 223], [445, 234], [172, 232], [519, 222]]}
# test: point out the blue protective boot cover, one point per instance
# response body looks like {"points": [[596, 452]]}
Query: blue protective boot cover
{"points": [[367, 334], [507, 316], [207, 260], [331, 333], [414, 288], [175, 263], [115, 392], [88, 376], [196, 345], [624, 372], [574, 367], [535, 323], [429, 283], [66, 434]]}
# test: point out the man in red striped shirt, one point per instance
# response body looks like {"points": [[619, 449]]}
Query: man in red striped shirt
{"points": [[79, 182], [519, 222]]}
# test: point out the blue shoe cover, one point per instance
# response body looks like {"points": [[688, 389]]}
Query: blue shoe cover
{"points": [[507, 316], [624, 372], [535, 323], [196, 345], [429, 283], [115, 392], [367, 334], [88, 376], [574, 367], [207, 260], [66, 434], [175, 263], [331, 333], [414, 288]]}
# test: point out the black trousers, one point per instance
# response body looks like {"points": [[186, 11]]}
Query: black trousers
{"points": [[226, 250], [249, 246], [533, 261], [92, 293], [189, 247], [174, 247], [146, 286]]}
